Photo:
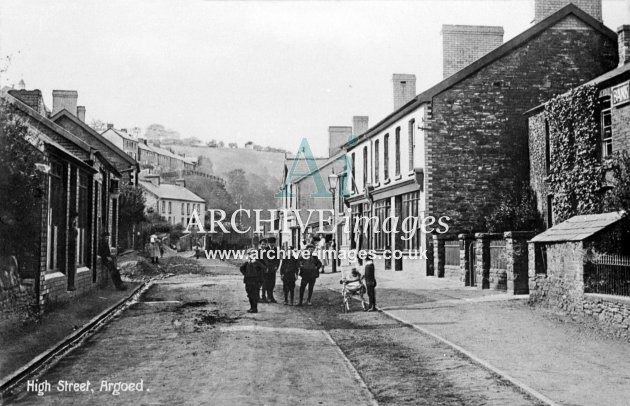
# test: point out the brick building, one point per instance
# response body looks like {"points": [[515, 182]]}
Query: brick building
{"points": [[614, 118], [451, 150], [80, 181]]}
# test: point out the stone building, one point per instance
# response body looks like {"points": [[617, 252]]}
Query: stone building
{"points": [[173, 202], [80, 202], [451, 150], [614, 118]]}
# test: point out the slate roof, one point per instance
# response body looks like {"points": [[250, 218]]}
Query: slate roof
{"points": [[172, 192], [491, 57], [579, 228]]}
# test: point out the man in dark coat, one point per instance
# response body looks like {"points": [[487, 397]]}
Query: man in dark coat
{"points": [[252, 271], [269, 282], [309, 271], [288, 273], [370, 284]]}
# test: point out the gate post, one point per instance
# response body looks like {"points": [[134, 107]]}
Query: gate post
{"points": [[467, 269], [517, 256], [482, 267]]}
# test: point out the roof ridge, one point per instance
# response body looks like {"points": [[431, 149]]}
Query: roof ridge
{"points": [[446, 83]]}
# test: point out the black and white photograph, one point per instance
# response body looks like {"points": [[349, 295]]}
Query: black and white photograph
{"points": [[315, 202]]}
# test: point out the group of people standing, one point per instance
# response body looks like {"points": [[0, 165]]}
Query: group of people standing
{"points": [[260, 270]]}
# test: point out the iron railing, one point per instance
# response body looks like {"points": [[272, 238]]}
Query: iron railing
{"points": [[608, 274]]}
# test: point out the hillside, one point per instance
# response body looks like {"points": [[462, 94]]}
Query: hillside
{"points": [[268, 165]]}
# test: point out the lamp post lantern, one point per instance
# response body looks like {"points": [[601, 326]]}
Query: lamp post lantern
{"points": [[333, 181]]}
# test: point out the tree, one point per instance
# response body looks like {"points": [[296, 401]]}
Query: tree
{"points": [[233, 145], [21, 190], [131, 207], [98, 125]]}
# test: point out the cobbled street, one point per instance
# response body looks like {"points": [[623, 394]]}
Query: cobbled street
{"points": [[190, 341]]}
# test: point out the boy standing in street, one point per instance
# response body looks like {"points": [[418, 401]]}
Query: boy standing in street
{"points": [[288, 274], [253, 272], [309, 270]]}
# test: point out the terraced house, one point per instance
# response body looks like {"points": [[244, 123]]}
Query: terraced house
{"points": [[451, 149], [80, 202]]}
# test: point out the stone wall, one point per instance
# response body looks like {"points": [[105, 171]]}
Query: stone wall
{"points": [[612, 312], [561, 285], [480, 121]]}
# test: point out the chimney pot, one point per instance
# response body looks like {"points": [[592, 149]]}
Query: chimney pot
{"points": [[404, 89], [110, 126], [65, 99], [81, 113]]}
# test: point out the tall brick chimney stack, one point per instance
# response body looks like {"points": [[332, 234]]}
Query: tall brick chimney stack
{"points": [[359, 125], [65, 99], [464, 44], [404, 88], [545, 8], [623, 40], [337, 136], [81, 113]]}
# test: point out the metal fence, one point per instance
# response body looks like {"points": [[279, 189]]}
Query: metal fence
{"points": [[608, 274], [497, 255], [451, 253]]}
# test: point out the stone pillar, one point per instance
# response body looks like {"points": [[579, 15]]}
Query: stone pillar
{"points": [[465, 248], [482, 254], [429, 246], [439, 257], [516, 252]]}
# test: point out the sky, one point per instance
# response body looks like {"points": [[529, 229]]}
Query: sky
{"points": [[271, 72]]}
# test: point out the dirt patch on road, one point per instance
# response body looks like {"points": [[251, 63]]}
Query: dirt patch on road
{"points": [[212, 317]]}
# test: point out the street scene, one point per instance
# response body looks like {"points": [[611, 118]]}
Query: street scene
{"points": [[319, 203]]}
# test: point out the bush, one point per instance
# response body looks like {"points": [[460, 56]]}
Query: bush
{"points": [[517, 212]]}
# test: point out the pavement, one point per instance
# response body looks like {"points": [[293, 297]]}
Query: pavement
{"points": [[547, 352], [21, 341]]}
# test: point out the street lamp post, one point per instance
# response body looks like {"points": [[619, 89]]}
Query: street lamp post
{"points": [[332, 182]]}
